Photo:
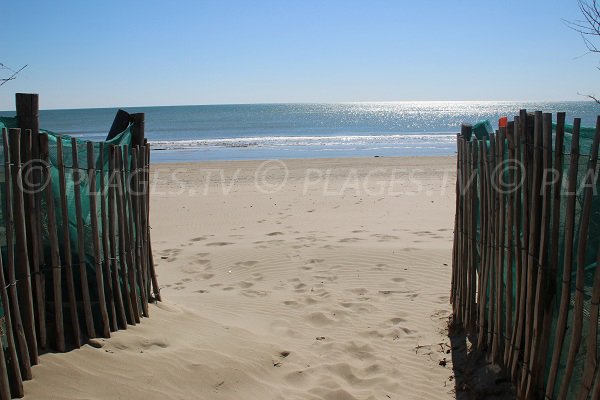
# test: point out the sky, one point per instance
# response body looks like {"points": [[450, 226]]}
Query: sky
{"points": [[109, 53]]}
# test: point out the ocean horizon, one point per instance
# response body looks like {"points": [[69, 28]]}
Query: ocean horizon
{"points": [[304, 130]]}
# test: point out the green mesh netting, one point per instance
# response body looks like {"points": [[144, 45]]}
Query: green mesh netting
{"points": [[482, 129], [593, 241], [102, 172]]}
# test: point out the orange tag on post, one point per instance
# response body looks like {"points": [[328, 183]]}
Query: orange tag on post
{"points": [[502, 122]]}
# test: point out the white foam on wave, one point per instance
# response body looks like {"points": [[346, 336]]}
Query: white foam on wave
{"points": [[392, 141]]}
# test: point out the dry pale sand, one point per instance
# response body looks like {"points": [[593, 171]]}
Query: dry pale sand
{"points": [[332, 284]]}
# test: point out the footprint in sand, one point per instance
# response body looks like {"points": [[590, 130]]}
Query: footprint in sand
{"points": [[358, 350], [385, 238], [307, 238], [257, 276], [396, 320], [324, 294], [190, 269], [246, 263], [349, 240], [169, 255], [318, 319], [274, 233], [373, 333], [359, 291], [245, 285], [412, 296], [219, 244], [198, 239], [398, 280], [254, 293], [421, 233], [360, 308], [444, 299], [328, 278], [390, 292]]}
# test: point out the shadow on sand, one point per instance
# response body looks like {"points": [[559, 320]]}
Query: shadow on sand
{"points": [[475, 377]]}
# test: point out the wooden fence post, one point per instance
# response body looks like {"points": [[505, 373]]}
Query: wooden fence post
{"points": [[54, 250], [591, 363], [561, 324], [15, 309], [509, 249], [154, 278], [92, 198], [586, 213], [533, 247], [22, 261], [538, 336], [12, 360], [27, 108], [138, 129], [129, 239], [87, 306], [483, 245], [122, 234], [105, 241], [66, 238], [115, 264]]}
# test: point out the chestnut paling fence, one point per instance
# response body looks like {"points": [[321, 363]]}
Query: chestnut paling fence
{"points": [[76, 258], [525, 276]]}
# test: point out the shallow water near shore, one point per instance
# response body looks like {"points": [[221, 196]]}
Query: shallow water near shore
{"points": [[267, 131]]}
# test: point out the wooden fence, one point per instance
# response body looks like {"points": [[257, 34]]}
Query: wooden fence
{"points": [[525, 276], [76, 258]]}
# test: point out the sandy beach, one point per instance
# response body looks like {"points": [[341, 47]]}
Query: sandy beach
{"points": [[294, 279]]}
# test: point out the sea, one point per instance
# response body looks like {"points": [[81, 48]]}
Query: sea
{"points": [[281, 131]]}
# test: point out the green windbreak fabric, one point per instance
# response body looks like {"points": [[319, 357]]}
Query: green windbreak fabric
{"points": [[482, 129], [101, 169], [9, 122], [590, 254]]}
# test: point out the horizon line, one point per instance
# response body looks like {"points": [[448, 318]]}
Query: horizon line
{"points": [[311, 102]]}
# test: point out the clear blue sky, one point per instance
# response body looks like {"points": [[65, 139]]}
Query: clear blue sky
{"points": [[135, 53]]}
